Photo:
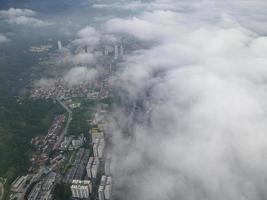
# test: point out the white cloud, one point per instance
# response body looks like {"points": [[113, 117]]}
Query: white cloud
{"points": [[81, 58], [121, 5], [134, 5], [87, 36], [16, 12], [23, 17], [78, 75], [72, 77], [45, 83], [144, 27], [201, 131]]}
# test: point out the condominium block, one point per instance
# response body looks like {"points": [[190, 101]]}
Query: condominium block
{"points": [[81, 189]]}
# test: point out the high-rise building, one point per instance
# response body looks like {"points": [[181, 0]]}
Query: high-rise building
{"points": [[107, 191], [89, 166], [101, 147], [98, 147], [81, 189], [116, 52], [92, 167], [108, 50], [103, 180], [96, 133], [107, 166], [104, 190], [95, 147], [101, 195], [86, 50], [101, 189], [121, 50], [59, 45]]}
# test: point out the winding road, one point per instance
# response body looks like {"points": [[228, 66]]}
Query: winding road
{"points": [[65, 130]]}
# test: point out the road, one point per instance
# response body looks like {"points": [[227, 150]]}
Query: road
{"points": [[64, 132]]}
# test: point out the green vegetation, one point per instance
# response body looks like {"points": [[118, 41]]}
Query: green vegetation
{"points": [[79, 122], [62, 192], [19, 122], [82, 115], [70, 162]]}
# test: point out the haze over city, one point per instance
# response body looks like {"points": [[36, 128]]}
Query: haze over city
{"points": [[133, 99]]}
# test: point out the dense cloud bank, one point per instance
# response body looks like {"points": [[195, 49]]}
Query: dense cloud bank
{"points": [[203, 91], [25, 17]]}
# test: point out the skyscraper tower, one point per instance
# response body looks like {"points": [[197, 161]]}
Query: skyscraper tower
{"points": [[116, 52], [107, 190], [121, 50], [106, 51], [59, 45]]}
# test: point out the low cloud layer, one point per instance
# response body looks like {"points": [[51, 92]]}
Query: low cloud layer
{"points": [[75, 76], [79, 59], [78, 75], [87, 36], [24, 17], [134, 5], [200, 131]]}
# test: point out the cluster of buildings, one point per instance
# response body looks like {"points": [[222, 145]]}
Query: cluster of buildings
{"points": [[69, 160], [72, 143], [39, 49], [43, 189], [85, 168], [116, 51], [81, 189], [46, 160], [37, 186], [60, 88], [97, 182], [98, 147], [19, 183], [92, 167], [45, 144], [104, 189], [104, 89], [77, 170]]}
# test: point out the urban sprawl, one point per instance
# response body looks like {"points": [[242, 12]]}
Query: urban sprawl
{"points": [[83, 162]]}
